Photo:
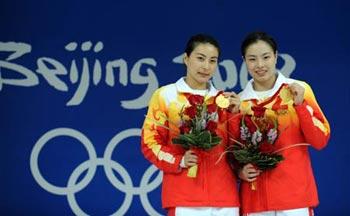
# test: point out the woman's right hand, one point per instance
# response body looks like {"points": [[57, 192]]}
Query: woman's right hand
{"points": [[190, 158], [249, 173], [234, 100]]}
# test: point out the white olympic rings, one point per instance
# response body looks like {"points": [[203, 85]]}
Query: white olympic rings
{"points": [[90, 165]]}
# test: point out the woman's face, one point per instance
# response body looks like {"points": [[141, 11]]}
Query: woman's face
{"points": [[261, 63], [201, 65]]}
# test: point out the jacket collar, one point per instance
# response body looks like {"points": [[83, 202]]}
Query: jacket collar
{"points": [[249, 93], [183, 87]]}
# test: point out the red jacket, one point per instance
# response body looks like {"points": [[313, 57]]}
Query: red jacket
{"points": [[215, 185], [291, 184]]}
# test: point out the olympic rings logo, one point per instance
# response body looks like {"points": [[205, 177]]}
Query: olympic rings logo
{"points": [[90, 165]]}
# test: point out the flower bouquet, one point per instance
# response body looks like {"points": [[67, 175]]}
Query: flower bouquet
{"points": [[258, 133], [198, 125]]}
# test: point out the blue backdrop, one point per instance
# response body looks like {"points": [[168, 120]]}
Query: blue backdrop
{"points": [[76, 77]]}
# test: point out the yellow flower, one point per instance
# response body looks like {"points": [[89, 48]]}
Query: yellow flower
{"points": [[246, 107]]}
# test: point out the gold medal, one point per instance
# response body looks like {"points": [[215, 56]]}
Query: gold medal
{"points": [[222, 101], [286, 95]]}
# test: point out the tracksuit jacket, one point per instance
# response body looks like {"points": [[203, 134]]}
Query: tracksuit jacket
{"points": [[215, 184], [291, 184]]}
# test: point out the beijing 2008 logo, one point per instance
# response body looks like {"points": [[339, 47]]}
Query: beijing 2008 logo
{"points": [[90, 165]]}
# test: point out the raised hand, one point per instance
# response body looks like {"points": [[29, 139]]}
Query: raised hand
{"points": [[298, 93], [235, 101]]}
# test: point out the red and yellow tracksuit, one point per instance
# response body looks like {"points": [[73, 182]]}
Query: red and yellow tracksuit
{"points": [[215, 185], [291, 184]]}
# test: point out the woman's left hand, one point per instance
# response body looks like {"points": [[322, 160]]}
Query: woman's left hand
{"points": [[298, 93], [234, 100]]}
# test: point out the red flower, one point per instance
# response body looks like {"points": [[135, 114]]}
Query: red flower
{"points": [[270, 124], [198, 124], [195, 99], [259, 111], [184, 129], [212, 108], [211, 126], [191, 111], [249, 123], [258, 134], [266, 148]]}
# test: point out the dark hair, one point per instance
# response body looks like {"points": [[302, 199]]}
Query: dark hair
{"points": [[254, 37], [195, 40]]}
